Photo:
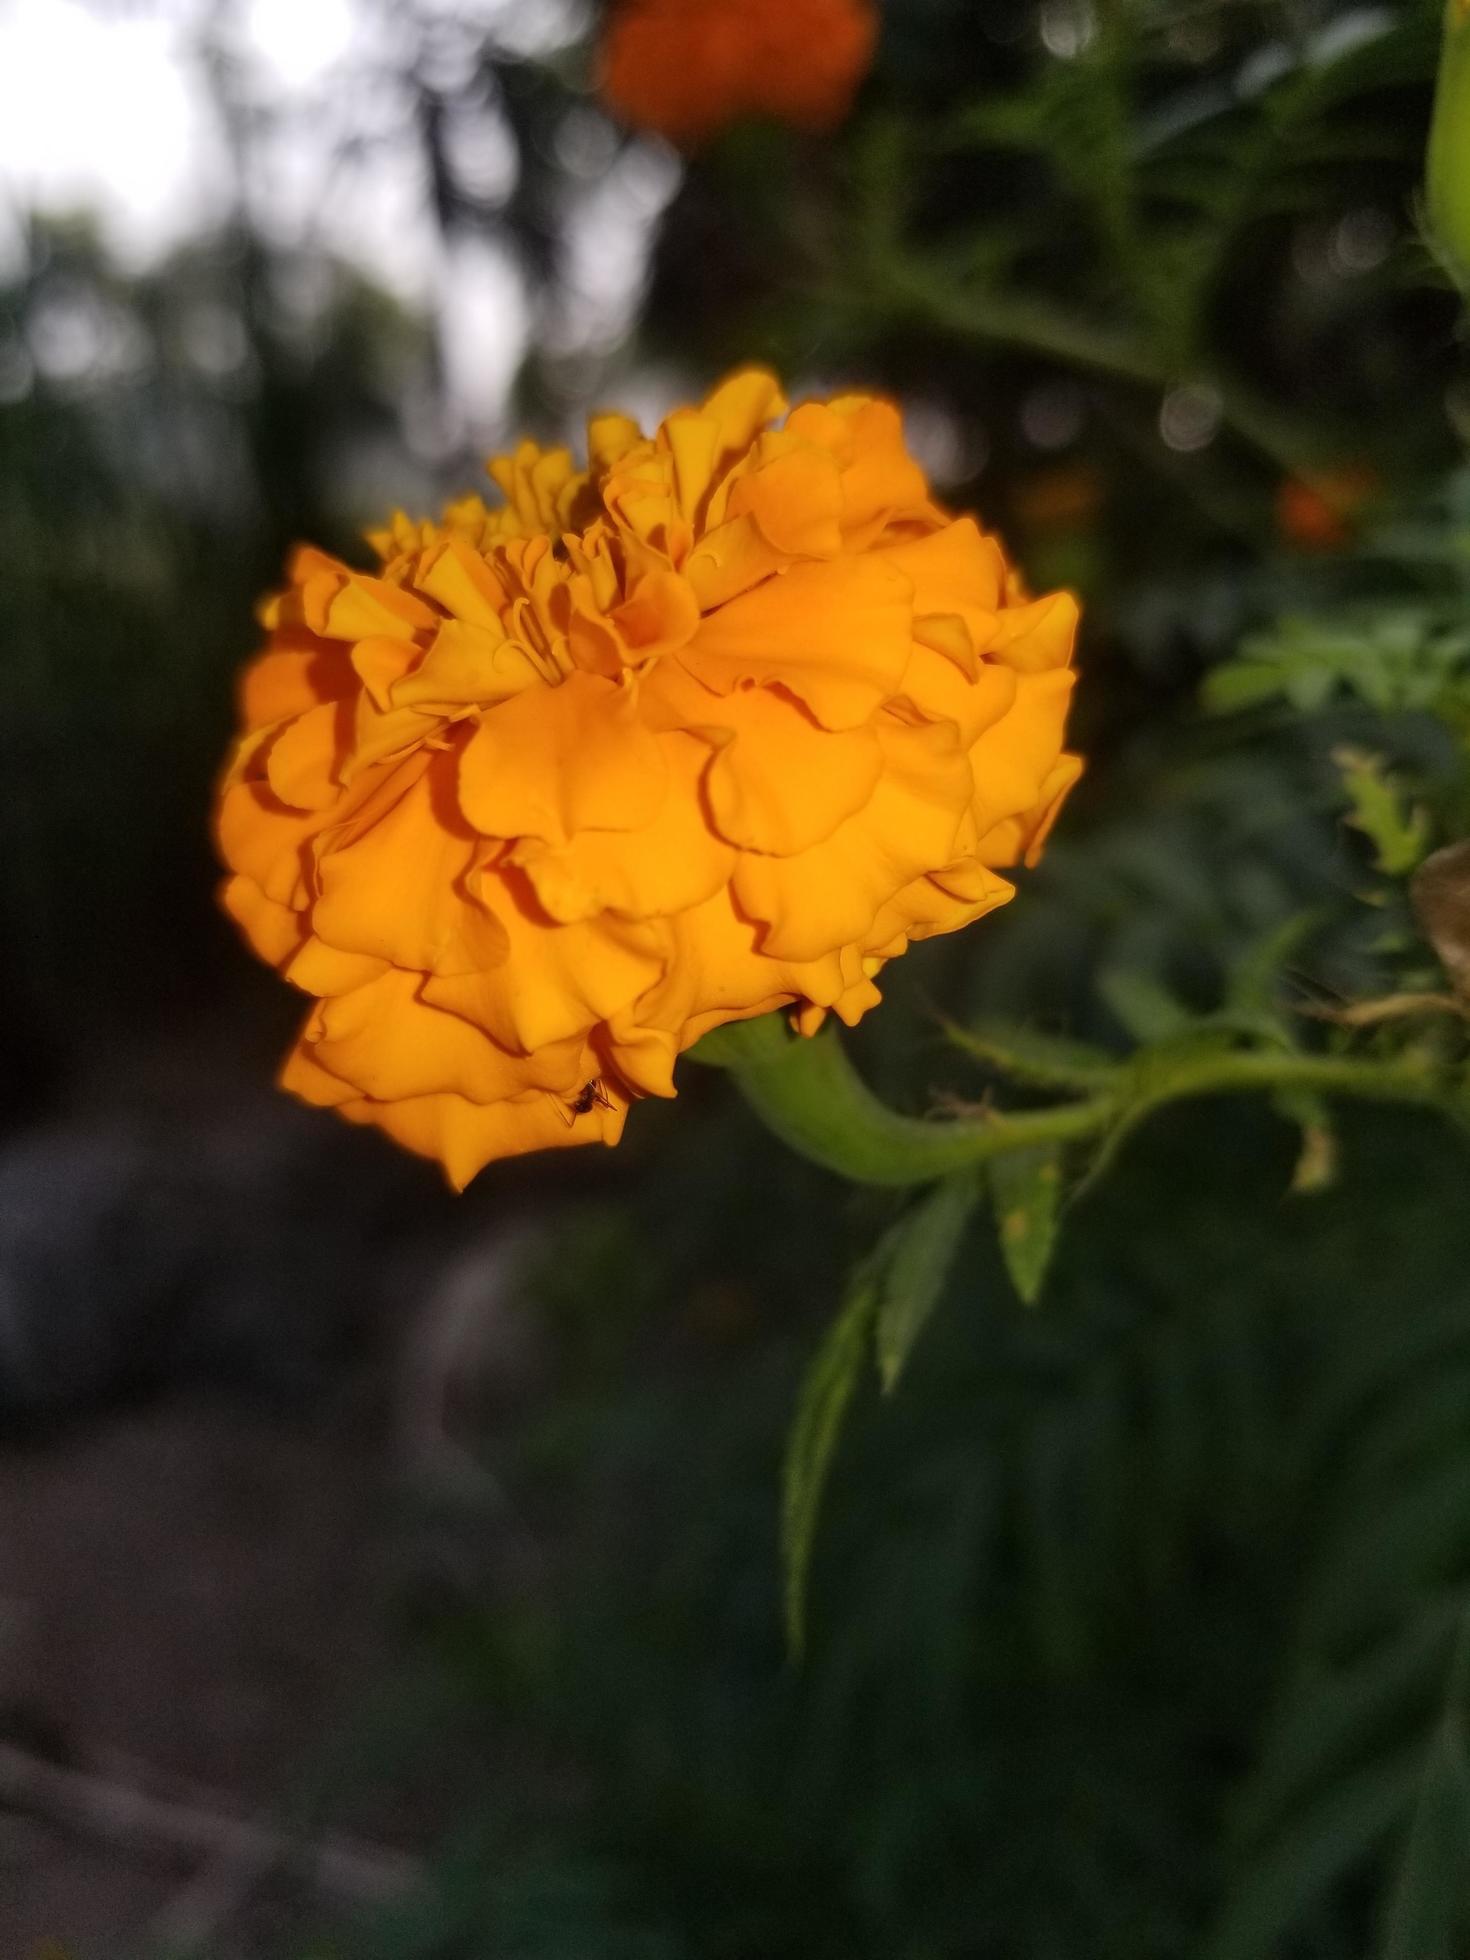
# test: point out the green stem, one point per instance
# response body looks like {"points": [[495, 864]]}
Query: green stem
{"points": [[1447, 178], [1326, 1075], [808, 1095]]}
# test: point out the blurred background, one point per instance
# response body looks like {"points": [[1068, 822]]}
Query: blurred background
{"points": [[435, 1538]]}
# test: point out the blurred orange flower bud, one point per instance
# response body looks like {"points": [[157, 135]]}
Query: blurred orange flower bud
{"points": [[714, 726], [688, 68], [1319, 513]]}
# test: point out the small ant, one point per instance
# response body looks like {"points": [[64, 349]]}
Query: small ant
{"points": [[591, 1096]]}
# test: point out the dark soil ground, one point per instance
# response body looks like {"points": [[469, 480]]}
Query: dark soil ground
{"points": [[195, 1598]]}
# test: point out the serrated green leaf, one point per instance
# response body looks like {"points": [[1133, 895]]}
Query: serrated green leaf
{"points": [[826, 1391], [1398, 830], [1026, 1186], [915, 1262], [1242, 684]]}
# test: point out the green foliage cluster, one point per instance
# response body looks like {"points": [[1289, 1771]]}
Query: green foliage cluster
{"points": [[1132, 1630]]}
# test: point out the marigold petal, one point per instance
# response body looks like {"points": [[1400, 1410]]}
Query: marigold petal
{"points": [[743, 404], [1018, 839], [936, 689], [465, 1136], [669, 865], [659, 615], [880, 483], [781, 782], [729, 560], [830, 895], [463, 583], [1037, 636], [362, 608], [292, 675], [273, 930], [717, 972], [956, 570], [392, 884], [556, 980], [836, 634], [301, 763], [642, 1057], [321, 969], [389, 1044], [794, 495], [464, 665], [1014, 756], [574, 758], [260, 837]]}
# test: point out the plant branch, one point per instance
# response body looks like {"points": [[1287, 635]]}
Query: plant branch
{"points": [[1038, 326], [151, 1825], [808, 1094]]}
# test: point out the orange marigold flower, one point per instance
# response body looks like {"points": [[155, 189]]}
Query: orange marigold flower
{"points": [[714, 726], [687, 68]]}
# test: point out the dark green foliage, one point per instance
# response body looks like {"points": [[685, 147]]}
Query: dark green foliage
{"points": [[1133, 1626]]}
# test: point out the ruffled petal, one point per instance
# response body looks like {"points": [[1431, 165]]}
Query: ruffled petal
{"points": [[837, 635], [296, 672], [261, 838], [1035, 637], [1014, 756], [556, 980], [392, 883], [274, 931], [716, 972], [830, 895], [779, 781], [956, 571], [573, 758], [671, 864], [389, 1044], [301, 764]]}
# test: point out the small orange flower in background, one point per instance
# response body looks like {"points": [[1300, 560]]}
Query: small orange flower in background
{"points": [[1319, 513], [688, 68], [715, 726]]}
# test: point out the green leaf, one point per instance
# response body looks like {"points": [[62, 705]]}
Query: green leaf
{"points": [[1148, 1011], [1255, 977], [1306, 1861], [1380, 809], [1429, 1909], [1241, 684], [812, 1443], [1026, 1186], [1316, 1164], [916, 1258]]}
